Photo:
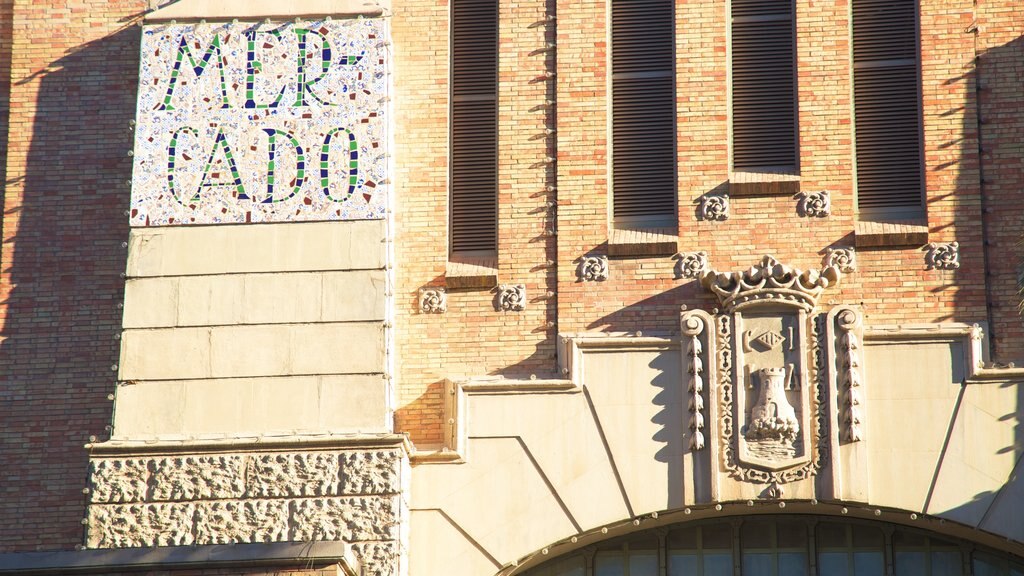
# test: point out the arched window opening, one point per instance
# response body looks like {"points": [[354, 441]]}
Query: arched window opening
{"points": [[782, 546]]}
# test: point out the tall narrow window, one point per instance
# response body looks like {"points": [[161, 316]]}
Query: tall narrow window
{"points": [[643, 114], [474, 130], [764, 130], [887, 112]]}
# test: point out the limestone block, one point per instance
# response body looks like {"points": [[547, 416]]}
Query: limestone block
{"points": [[378, 558], [377, 472], [198, 478], [150, 302], [247, 521], [208, 300], [149, 408], [140, 525], [119, 480], [302, 474], [165, 354], [296, 247], [346, 518], [349, 296]]}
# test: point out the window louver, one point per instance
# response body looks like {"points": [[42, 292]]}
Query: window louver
{"points": [[643, 112], [764, 136], [474, 131], [887, 107]]}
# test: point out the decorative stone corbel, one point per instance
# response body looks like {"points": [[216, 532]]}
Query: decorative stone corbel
{"points": [[714, 207], [845, 259], [512, 297], [848, 325], [593, 269], [815, 204], [691, 264], [695, 332], [943, 256], [433, 300]]}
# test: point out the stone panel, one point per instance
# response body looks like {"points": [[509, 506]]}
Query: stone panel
{"points": [[198, 478], [117, 480], [371, 472], [136, 525], [245, 521], [303, 474], [348, 519]]}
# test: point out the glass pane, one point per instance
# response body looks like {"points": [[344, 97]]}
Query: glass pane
{"points": [[718, 564], [682, 564], [609, 564], [947, 563], [1016, 570], [684, 539], [643, 564], [644, 543], [901, 538], [758, 564], [868, 564], [717, 537], [792, 564], [985, 566], [756, 535], [910, 564], [867, 537], [831, 535], [833, 564], [792, 535]]}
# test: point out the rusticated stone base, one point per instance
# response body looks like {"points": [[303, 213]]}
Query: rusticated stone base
{"points": [[196, 499]]}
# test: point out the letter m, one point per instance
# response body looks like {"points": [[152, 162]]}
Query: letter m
{"points": [[213, 52]]}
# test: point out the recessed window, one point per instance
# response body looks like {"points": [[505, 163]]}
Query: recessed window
{"points": [[887, 111], [643, 114], [474, 128], [764, 126]]}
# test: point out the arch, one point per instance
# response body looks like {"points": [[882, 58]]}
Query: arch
{"points": [[824, 538]]}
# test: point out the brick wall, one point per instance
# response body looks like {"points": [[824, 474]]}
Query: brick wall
{"points": [[72, 73], [893, 284]]}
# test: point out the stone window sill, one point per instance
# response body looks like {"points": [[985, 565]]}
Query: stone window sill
{"points": [[643, 242], [868, 234], [471, 272], [763, 183]]}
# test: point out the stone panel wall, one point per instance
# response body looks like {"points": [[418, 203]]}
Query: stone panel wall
{"points": [[197, 499]]}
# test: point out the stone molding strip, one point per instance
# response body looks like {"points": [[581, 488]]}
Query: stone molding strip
{"points": [[189, 10], [251, 443], [279, 555]]}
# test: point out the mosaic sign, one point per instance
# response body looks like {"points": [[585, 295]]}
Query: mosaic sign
{"points": [[263, 122]]}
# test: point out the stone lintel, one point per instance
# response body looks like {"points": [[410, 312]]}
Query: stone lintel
{"points": [[277, 554]]}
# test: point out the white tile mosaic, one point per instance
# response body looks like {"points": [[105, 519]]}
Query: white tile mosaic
{"points": [[261, 122]]}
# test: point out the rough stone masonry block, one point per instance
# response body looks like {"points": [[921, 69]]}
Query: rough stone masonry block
{"points": [[140, 525], [198, 478], [377, 472], [247, 521], [348, 519], [304, 474], [119, 480], [378, 558]]}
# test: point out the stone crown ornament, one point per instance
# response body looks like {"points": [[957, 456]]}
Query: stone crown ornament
{"points": [[770, 280]]}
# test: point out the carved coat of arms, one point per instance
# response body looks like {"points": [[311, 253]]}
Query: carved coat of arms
{"points": [[764, 358]]}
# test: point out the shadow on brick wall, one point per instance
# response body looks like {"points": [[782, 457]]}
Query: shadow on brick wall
{"points": [[64, 229]]}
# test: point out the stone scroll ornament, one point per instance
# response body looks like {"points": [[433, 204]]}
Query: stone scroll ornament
{"points": [[512, 297], [691, 264], [943, 256], [714, 207], [593, 269], [815, 204], [848, 324], [433, 300], [771, 389]]}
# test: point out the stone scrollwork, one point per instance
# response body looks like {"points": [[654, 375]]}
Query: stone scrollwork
{"points": [[815, 204], [691, 264], [512, 297], [593, 269], [433, 300], [714, 207], [845, 259], [943, 256]]}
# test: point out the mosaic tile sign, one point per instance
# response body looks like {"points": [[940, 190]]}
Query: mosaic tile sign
{"points": [[261, 122]]}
